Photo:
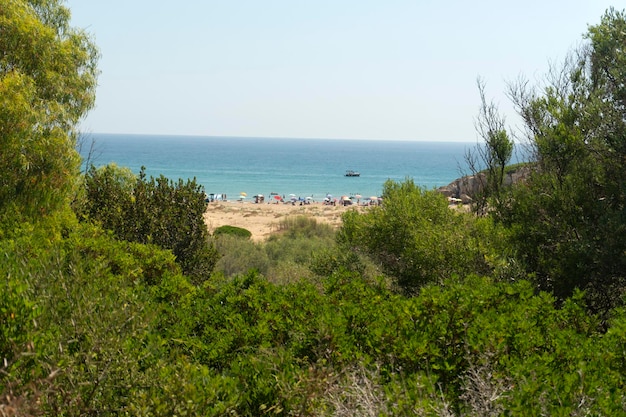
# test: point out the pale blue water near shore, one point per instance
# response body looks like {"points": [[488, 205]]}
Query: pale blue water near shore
{"points": [[304, 167]]}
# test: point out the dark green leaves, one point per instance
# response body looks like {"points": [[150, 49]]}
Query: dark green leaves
{"points": [[156, 211]]}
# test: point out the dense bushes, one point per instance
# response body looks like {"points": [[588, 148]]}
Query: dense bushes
{"points": [[86, 319], [417, 238], [156, 211], [468, 347], [112, 326], [97, 319]]}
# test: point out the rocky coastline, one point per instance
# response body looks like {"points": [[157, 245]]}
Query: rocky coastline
{"points": [[461, 189]]}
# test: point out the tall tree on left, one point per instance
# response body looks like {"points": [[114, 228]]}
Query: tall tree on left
{"points": [[48, 78]]}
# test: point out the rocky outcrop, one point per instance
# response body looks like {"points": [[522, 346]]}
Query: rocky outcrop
{"points": [[520, 174], [461, 189]]}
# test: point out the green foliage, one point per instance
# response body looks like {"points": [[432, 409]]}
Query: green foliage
{"points": [[117, 329], [85, 318], [328, 261], [568, 221], [111, 184], [416, 237], [238, 256], [469, 347], [17, 315], [303, 248], [233, 231], [47, 84], [300, 238], [101, 321], [156, 211]]}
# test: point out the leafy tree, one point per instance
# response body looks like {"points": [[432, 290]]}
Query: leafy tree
{"points": [[156, 211], [568, 221], [47, 84]]}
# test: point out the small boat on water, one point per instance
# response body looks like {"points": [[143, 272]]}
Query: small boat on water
{"points": [[351, 173]]}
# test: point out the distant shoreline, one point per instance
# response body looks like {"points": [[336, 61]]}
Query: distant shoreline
{"points": [[303, 167]]}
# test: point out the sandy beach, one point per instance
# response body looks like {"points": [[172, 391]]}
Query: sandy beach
{"points": [[263, 219]]}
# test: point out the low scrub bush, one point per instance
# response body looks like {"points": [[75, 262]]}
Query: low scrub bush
{"points": [[305, 226], [238, 256], [284, 257], [232, 231]]}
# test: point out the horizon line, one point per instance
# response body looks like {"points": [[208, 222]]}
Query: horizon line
{"points": [[82, 133]]}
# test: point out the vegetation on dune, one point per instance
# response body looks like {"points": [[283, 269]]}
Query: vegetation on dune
{"points": [[114, 300], [302, 249], [233, 231]]}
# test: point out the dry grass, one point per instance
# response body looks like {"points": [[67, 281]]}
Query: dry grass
{"points": [[357, 393]]}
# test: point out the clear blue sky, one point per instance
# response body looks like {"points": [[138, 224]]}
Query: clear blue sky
{"points": [[361, 69]]}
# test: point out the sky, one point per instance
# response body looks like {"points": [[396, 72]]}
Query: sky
{"points": [[349, 69]]}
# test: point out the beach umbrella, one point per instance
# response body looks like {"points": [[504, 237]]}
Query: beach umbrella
{"points": [[358, 196], [243, 194], [374, 198], [277, 197]]}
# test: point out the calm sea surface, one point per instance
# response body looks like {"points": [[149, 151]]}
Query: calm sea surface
{"points": [[304, 167]]}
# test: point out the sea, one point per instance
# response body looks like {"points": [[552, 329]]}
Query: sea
{"points": [[241, 167]]}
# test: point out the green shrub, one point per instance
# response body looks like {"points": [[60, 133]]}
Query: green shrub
{"points": [[417, 238], [18, 314], [233, 231], [304, 226], [238, 256], [156, 211], [327, 261], [296, 249], [88, 314], [282, 258]]}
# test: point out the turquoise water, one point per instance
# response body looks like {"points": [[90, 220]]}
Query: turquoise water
{"points": [[304, 167]]}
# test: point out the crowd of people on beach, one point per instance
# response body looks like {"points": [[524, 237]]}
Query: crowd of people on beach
{"points": [[276, 198]]}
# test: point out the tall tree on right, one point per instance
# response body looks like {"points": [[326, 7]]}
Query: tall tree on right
{"points": [[568, 221]]}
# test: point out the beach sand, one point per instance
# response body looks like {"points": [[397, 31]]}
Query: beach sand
{"points": [[263, 219]]}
